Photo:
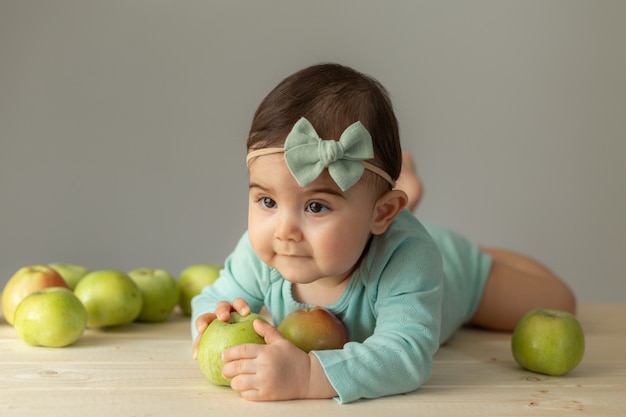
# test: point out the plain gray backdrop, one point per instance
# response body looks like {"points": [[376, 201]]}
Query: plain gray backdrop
{"points": [[123, 123]]}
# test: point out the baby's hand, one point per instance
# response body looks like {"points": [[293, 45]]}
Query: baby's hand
{"points": [[222, 313], [277, 370]]}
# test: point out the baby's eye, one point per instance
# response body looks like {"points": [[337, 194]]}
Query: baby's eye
{"points": [[316, 207], [268, 202]]}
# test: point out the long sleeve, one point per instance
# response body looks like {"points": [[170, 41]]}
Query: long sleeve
{"points": [[397, 357]]}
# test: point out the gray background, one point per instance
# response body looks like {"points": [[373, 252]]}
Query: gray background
{"points": [[123, 123]]}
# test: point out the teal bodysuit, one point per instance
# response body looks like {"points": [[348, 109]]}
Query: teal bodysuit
{"points": [[415, 286]]}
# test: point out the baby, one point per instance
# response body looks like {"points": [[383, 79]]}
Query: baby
{"points": [[328, 225]]}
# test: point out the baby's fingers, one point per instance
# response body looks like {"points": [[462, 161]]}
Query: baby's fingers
{"points": [[244, 351], [222, 310], [241, 306], [202, 322]]}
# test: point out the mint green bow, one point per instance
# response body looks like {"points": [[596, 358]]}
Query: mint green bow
{"points": [[307, 155]]}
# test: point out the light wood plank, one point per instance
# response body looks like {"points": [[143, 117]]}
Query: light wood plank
{"points": [[479, 376], [168, 401], [147, 369]]}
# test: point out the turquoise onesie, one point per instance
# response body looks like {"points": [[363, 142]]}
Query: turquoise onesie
{"points": [[401, 303]]}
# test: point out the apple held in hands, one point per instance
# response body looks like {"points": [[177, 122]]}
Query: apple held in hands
{"points": [[221, 335], [548, 341], [71, 273], [52, 317], [314, 328], [25, 281], [159, 292], [192, 280], [111, 298]]}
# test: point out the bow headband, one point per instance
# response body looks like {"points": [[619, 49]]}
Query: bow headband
{"points": [[307, 155]]}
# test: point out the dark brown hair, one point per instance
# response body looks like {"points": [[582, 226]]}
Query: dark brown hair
{"points": [[331, 97]]}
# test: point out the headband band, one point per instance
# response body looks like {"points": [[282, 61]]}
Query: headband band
{"points": [[307, 155]]}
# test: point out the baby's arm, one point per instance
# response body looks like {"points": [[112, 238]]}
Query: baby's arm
{"points": [[407, 306]]}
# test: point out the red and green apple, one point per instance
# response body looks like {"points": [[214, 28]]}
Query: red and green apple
{"points": [[314, 328], [25, 281]]}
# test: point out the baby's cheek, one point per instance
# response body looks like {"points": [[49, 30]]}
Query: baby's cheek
{"points": [[340, 254], [260, 246]]}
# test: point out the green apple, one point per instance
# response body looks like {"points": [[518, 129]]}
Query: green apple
{"points": [[71, 273], [314, 328], [23, 282], [159, 291], [221, 335], [52, 317], [192, 280], [110, 297], [548, 341]]}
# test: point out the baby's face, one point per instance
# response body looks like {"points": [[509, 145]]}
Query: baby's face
{"points": [[310, 233]]}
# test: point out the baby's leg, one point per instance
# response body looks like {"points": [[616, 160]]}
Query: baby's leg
{"points": [[517, 284]]}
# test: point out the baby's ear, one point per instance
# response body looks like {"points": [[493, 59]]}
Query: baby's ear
{"points": [[387, 207]]}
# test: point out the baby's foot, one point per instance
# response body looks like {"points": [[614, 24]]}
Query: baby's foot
{"points": [[409, 182]]}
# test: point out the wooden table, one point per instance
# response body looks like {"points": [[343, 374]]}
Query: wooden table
{"points": [[147, 370]]}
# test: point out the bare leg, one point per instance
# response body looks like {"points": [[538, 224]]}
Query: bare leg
{"points": [[409, 182], [517, 284]]}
